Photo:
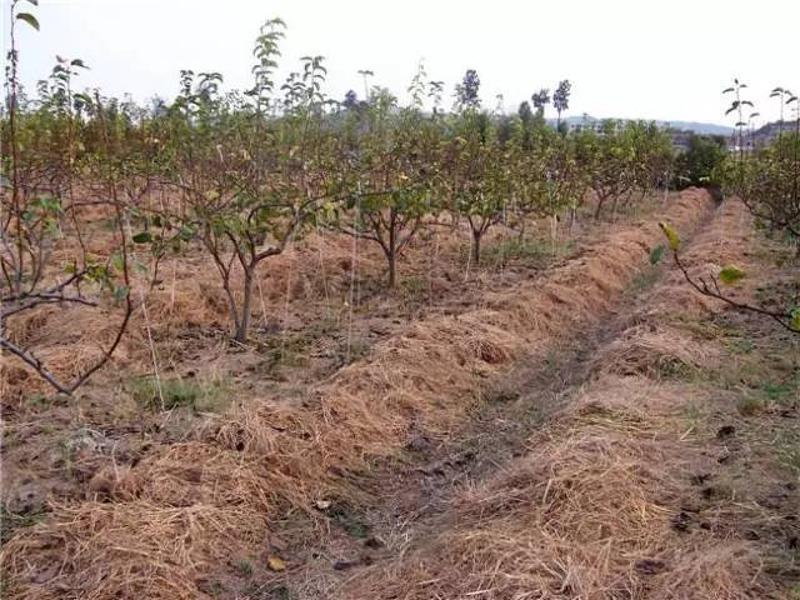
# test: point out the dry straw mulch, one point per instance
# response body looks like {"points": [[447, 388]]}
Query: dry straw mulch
{"points": [[594, 509], [175, 516]]}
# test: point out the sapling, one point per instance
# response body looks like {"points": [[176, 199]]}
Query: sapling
{"points": [[561, 99], [388, 177], [32, 222]]}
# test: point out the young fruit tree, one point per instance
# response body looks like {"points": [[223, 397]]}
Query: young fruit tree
{"points": [[253, 175], [389, 176], [39, 212]]}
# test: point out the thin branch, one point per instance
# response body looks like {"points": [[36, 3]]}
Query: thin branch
{"points": [[782, 318]]}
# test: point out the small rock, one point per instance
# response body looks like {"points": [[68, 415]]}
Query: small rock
{"points": [[276, 563], [342, 565], [725, 432]]}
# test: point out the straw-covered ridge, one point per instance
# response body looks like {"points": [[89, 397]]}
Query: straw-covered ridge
{"points": [[156, 530], [655, 344], [591, 511], [596, 507]]}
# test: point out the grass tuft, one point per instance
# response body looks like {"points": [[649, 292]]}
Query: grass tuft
{"points": [[200, 396]]}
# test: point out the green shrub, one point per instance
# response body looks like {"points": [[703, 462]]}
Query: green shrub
{"points": [[201, 396]]}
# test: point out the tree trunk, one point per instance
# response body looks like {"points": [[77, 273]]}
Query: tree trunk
{"points": [[476, 246], [392, 260], [600, 202], [244, 322], [572, 218], [391, 254]]}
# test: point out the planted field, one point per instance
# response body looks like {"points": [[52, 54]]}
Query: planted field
{"points": [[271, 344]]}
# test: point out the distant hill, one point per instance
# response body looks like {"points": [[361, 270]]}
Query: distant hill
{"points": [[702, 128], [767, 133], [696, 127]]}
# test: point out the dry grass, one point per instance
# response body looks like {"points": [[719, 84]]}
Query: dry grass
{"points": [[656, 344], [655, 351], [186, 505], [720, 244], [133, 550], [595, 508], [589, 512]]}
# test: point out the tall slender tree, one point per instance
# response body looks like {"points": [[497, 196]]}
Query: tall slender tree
{"points": [[561, 99], [540, 99], [467, 91]]}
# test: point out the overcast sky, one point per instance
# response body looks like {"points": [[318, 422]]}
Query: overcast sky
{"points": [[665, 59]]}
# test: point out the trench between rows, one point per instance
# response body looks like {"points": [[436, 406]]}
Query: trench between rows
{"points": [[598, 402], [412, 497]]}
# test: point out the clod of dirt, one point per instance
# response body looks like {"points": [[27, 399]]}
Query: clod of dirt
{"points": [[419, 443], [114, 482], [681, 521], [650, 566], [343, 565], [27, 499], [374, 543], [725, 432]]}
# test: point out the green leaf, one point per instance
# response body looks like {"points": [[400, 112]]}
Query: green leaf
{"points": [[731, 274], [672, 236], [117, 261], [120, 292], [77, 62], [142, 237], [29, 19], [656, 254], [186, 233], [795, 322]]}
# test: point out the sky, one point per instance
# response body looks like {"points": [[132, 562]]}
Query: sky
{"points": [[654, 59]]}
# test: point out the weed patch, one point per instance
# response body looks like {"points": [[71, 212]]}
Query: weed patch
{"points": [[169, 393], [12, 521]]}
